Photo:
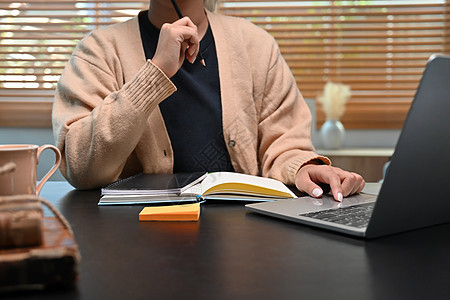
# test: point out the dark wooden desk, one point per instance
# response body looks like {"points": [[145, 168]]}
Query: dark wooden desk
{"points": [[234, 254]]}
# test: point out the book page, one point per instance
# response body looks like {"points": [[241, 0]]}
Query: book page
{"points": [[193, 190], [236, 183]]}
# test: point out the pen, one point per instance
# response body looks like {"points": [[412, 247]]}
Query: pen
{"points": [[180, 15]]}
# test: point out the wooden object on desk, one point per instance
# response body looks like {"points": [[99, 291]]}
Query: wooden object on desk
{"points": [[52, 264], [36, 252], [20, 222], [368, 162]]}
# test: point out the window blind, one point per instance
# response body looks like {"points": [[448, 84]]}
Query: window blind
{"points": [[379, 48], [38, 37]]}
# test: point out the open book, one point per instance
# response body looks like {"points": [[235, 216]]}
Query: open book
{"points": [[215, 186]]}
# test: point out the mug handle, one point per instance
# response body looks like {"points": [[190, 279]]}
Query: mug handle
{"points": [[53, 169]]}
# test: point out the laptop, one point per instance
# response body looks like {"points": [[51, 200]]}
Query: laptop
{"points": [[414, 193]]}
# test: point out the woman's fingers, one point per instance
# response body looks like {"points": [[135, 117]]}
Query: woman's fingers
{"points": [[342, 183], [177, 41]]}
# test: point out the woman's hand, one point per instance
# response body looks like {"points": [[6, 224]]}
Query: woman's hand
{"points": [[177, 41], [342, 183]]}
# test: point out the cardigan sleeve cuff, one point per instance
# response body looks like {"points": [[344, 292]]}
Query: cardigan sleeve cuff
{"points": [[316, 160], [320, 160], [149, 87]]}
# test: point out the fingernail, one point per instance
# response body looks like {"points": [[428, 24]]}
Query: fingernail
{"points": [[340, 197], [317, 192]]}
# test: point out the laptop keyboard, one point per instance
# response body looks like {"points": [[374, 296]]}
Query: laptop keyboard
{"points": [[355, 216]]}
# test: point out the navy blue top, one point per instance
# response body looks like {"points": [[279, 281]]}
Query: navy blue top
{"points": [[193, 114]]}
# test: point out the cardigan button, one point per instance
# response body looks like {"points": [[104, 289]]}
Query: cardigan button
{"points": [[231, 143]]}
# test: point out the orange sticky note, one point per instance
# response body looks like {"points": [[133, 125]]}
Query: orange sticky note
{"points": [[183, 212]]}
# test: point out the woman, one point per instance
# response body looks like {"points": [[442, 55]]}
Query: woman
{"points": [[135, 98]]}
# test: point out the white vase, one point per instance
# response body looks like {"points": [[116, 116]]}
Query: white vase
{"points": [[332, 134]]}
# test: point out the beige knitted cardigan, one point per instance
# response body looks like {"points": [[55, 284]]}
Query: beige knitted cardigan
{"points": [[107, 123]]}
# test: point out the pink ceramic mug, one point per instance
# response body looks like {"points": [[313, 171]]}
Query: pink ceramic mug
{"points": [[22, 178]]}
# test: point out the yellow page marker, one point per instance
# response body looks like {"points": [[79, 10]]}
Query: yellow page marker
{"points": [[183, 212]]}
